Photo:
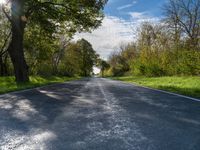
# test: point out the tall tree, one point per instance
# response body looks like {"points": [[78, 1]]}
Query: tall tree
{"points": [[88, 56], [5, 36], [77, 15], [184, 16]]}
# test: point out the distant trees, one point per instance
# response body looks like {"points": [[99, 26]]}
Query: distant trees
{"points": [[119, 61], [88, 57], [51, 16], [78, 59], [170, 47], [103, 65]]}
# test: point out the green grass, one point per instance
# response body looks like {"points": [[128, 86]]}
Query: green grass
{"points": [[189, 86], [8, 84]]}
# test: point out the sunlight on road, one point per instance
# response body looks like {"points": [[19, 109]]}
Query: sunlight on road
{"points": [[36, 139], [20, 109]]}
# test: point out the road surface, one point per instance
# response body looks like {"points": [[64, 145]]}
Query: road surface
{"points": [[98, 114]]}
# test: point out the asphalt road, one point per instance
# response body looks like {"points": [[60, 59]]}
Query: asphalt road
{"points": [[98, 114]]}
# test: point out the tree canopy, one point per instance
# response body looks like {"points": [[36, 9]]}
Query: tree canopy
{"points": [[55, 16]]}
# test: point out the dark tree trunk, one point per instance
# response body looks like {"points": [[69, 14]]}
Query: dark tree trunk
{"points": [[102, 73], [15, 48], [3, 66]]}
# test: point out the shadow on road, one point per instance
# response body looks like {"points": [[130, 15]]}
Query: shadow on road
{"points": [[30, 113]]}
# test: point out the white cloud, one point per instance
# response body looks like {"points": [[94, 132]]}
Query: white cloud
{"points": [[137, 15], [108, 37], [114, 31], [140, 17], [127, 6]]}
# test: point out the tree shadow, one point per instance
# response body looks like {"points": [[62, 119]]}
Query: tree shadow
{"points": [[30, 112]]}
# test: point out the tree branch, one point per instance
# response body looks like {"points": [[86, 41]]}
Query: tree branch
{"points": [[3, 51], [6, 14]]}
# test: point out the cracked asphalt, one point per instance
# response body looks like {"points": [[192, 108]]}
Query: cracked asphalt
{"points": [[98, 114]]}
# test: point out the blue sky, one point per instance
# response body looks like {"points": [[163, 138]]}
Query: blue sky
{"points": [[121, 8], [122, 19]]}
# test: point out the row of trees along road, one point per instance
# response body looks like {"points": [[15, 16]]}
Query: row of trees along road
{"points": [[168, 47], [32, 29], [79, 59]]}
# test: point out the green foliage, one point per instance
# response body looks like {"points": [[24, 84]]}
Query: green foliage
{"points": [[72, 16], [70, 63], [189, 62], [120, 61], [4, 39], [184, 63], [156, 54], [87, 57], [187, 85], [50, 54], [38, 25], [39, 50], [8, 84], [78, 59], [103, 65]]}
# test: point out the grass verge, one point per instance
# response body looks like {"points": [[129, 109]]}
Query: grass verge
{"points": [[189, 85], [8, 84]]}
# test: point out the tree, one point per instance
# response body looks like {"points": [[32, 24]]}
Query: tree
{"points": [[74, 15], [5, 36], [78, 58], [88, 57], [60, 52], [71, 62], [184, 16], [121, 59], [104, 66], [39, 47]]}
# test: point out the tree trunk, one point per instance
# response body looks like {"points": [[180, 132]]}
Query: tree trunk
{"points": [[3, 66], [102, 73], [15, 48], [17, 56]]}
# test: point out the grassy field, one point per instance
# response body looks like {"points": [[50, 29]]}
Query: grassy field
{"points": [[189, 86], [7, 84]]}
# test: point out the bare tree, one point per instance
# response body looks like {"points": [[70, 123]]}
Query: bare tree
{"points": [[184, 16]]}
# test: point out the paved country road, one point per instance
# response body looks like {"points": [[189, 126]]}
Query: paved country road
{"points": [[98, 114]]}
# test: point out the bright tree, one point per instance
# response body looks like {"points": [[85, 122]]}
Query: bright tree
{"points": [[73, 16]]}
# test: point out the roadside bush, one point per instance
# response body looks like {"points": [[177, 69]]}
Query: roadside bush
{"points": [[45, 69], [189, 62], [157, 52]]}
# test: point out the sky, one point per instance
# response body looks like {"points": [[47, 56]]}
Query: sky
{"points": [[122, 18]]}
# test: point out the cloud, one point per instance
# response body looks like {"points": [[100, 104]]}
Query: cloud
{"points": [[108, 37], [140, 17], [124, 6], [115, 31], [137, 15], [127, 6]]}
